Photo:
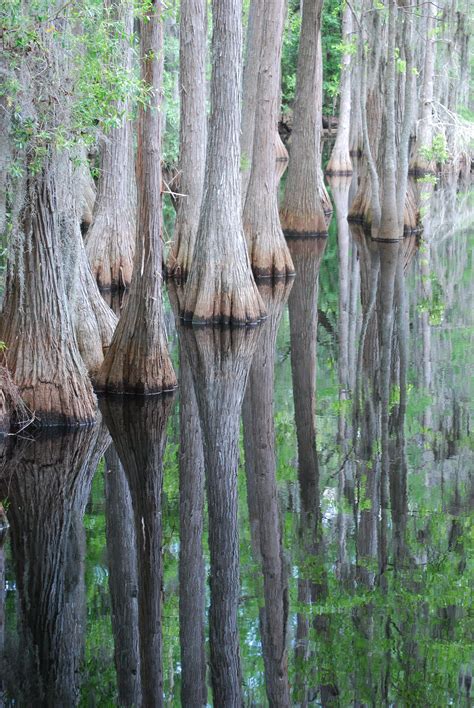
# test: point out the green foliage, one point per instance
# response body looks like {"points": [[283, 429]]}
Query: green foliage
{"points": [[437, 151], [289, 56]]}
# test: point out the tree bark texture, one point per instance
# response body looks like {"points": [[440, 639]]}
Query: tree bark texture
{"points": [[340, 160], [138, 426], [262, 494], [123, 579], [110, 239], [42, 352], [269, 254], [47, 481], [220, 287], [193, 133], [138, 360], [220, 361], [306, 201]]}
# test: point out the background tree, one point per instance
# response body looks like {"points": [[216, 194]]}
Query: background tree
{"points": [[220, 287], [306, 200], [110, 239], [138, 359], [269, 255], [192, 133]]}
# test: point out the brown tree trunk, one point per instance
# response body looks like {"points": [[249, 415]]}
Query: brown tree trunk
{"points": [[138, 427], [220, 287], [110, 239], [138, 360], [218, 357], [193, 129], [42, 352], [123, 580], [47, 481], [306, 200], [262, 495], [269, 255], [340, 160]]}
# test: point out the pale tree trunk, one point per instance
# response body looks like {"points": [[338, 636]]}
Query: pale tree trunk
{"points": [[86, 193], [110, 240], [340, 160], [306, 200], [47, 481], [250, 89], [138, 360], [420, 164], [220, 287], [138, 427], [269, 255], [193, 132], [262, 495], [219, 357], [123, 580], [42, 352]]}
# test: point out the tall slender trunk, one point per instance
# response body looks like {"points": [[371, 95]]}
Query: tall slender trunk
{"points": [[306, 200], [220, 287], [420, 163], [192, 135], [110, 239], [340, 160], [138, 360], [269, 254], [262, 494]]}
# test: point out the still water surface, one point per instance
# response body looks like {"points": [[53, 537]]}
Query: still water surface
{"points": [[293, 528]]}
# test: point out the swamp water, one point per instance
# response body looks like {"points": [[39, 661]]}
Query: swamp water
{"points": [[337, 537]]}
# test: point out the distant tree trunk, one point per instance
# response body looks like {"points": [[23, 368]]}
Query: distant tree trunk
{"points": [[47, 481], [269, 255], [138, 426], [110, 240], [193, 130], [306, 199], [218, 357], [262, 495], [340, 160], [138, 360], [123, 579], [420, 163], [220, 287], [36, 326], [250, 89]]}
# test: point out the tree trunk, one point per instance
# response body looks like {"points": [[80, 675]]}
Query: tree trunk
{"points": [[123, 580], [193, 129], [306, 200], [420, 163], [262, 495], [47, 481], [340, 160], [220, 287], [42, 352], [218, 357], [86, 193], [138, 427], [110, 240], [269, 254], [255, 23], [138, 360]]}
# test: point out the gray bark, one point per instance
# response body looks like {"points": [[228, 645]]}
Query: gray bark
{"points": [[193, 133], [220, 287]]}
